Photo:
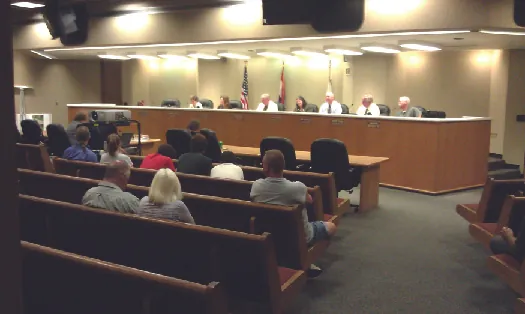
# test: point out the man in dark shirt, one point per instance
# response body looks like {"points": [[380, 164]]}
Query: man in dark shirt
{"points": [[71, 130], [193, 127], [195, 162]]}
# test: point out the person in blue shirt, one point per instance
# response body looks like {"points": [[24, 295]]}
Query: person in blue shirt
{"points": [[80, 151]]}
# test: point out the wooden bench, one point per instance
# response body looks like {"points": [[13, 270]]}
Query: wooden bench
{"points": [[33, 157], [55, 281], [283, 222], [519, 306], [489, 207], [244, 264]]}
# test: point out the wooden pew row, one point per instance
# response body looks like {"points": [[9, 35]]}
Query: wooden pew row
{"points": [[33, 157], [519, 306], [203, 185], [332, 205], [494, 194], [55, 281], [283, 222]]}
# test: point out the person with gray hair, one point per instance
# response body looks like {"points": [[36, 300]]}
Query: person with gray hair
{"points": [[109, 194], [368, 107], [406, 110], [331, 106], [267, 105]]}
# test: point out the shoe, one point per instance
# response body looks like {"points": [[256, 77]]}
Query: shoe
{"points": [[314, 271]]}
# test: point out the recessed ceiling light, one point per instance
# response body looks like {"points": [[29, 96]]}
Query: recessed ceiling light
{"points": [[380, 48], [273, 53], [342, 50], [113, 57], [43, 54], [502, 32], [142, 57], [171, 56], [27, 5], [308, 52], [204, 56], [421, 46], [232, 55]]}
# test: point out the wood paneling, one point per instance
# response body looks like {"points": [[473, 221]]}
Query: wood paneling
{"points": [[111, 82]]}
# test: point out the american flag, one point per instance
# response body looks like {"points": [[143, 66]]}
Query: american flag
{"points": [[244, 89]]}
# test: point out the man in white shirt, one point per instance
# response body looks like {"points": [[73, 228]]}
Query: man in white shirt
{"points": [[368, 107], [330, 106], [227, 169], [194, 102], [267, 105]]}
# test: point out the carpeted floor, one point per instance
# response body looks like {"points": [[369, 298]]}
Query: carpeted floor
{"points": [[412, 255]]}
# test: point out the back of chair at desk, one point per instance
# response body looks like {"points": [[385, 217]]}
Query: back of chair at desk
{"points": [[285, 146], [179, 139]]}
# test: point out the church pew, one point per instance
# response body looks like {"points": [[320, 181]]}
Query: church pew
{"points": [[55, 281], [244, 264], [489, 207], [284, 222], [33, 157], [508, 269], [519, 306]]}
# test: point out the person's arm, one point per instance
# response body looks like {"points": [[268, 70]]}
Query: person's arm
{"points": [[170, 165], [92, 157], [338, 110], [376, 111], [185, 215], [132, 204], [322, 109]]}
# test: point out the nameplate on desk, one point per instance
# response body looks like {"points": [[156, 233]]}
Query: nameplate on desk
{"points": [[275, 118], [373, 125], [203, 116], [306, 120], [338, 122], [143, 113], [238, 116], [173, 113]]}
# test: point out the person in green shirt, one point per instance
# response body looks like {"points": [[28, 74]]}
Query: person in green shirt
{"points": [[406, 110]]}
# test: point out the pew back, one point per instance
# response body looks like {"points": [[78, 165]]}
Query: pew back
{"points": [[58, 282], [493, 197], [34, 157]]}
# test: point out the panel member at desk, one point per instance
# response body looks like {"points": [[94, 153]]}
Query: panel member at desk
{"points": [[194, 102], [267, 105], [368, 107], [406, 110], [331, 106]]}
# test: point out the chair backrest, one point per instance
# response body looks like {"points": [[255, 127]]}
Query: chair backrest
{"points": [[245, 264], [421, 109], [284, 145], [330, 155], [99, 134], [235, 104], [311, 108], [213, 149], [175, 103], [281, 107], [58, 141], [344, 109], [494, 195], [31, 132], [55, 281], [206, 103], [384, 110], [180, 139], [33, 157]]}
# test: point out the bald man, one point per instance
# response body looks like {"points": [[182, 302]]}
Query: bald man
{"points": [[267, 105], [368, 107], [330, 106]]}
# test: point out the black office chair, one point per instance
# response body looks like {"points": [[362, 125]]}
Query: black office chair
{"points": [[175, 103], [344, 109], [384, 110], [421, 109], [281, 107], [206, 103], [311, 108], [235, 104], [434, 114], [213, 149], [330, 155], [99, 134], [286, 147], [31, 132], [179, 139], [57, 140]]}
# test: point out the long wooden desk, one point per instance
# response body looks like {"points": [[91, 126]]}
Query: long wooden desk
{"points": [[148, 146], [428, 155], [369, 190]]}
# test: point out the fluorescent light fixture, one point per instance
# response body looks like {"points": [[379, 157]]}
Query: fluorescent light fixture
{"points": [[250, 41], [142, 57], [27, 5], [345, 51], [308, 52], [418, 45], [380, 48], [204, 56], [43, 54], [112, 57], [502, 32], [171, 56], [23, 87], [232, 55], [273, 53]]}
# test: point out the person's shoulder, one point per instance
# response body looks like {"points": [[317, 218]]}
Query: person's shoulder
{"points": [[297, 184], [130, 197]]}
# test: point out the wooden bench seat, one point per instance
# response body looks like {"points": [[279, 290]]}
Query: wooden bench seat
{"points": [[244, 264], [519, 306], [55, 281], [507, 268], [283, 222]]}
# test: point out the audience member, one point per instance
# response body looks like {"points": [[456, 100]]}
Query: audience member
{"points": [[71, 129], [163, 158], [267, 105], [109, 194], [31, 132], [114, 151], [406, 110], [331, 106], [228, 168], [193, 127], [195, 162], [80, 151], [275, 189], [164, 200], [507, 243], [194, 102], [225, 103], [300, 104], [368, 107]]}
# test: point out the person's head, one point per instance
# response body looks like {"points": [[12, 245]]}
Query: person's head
{"points": [[329, 97], [194, 99], [82, 135], [300, 102], [273, 163], [225, 102], [80, 117], [118, 173], [167, 150], [367, 100], [113, 144], [404, 102], [198, 143], [165, 188], [194, 125], [228, 157], [265, 99]]}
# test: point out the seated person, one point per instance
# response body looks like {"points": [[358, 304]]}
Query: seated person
{"points": [[225, 103], [228, 168], [267, 105], [109, 192], [80, 151], [163, 158], [80, 117], [406, 110], [368, 107], [115, 151], [194, 102], [331, 106], [275, 189], [193, 127], [164, 200], [195, 162], [300, 104], [507, 243]]}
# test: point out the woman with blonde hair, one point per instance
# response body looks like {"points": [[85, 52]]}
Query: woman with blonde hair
{"points": [[114, 151], [164, 200]]}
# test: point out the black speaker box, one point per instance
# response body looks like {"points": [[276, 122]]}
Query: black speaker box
{"points": [[337, 15], [519, 12]]}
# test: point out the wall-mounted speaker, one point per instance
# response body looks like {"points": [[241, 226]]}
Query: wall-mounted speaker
{"points": [[337, 15], [519, 12], [69, 22]]}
